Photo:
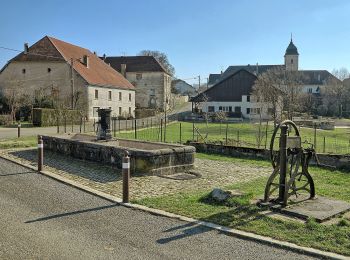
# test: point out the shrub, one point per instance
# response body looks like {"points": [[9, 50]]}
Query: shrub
{"points": [[5, 120], [50, 117]]}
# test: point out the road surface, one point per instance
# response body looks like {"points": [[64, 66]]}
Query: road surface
{"points": [[41, 218]]}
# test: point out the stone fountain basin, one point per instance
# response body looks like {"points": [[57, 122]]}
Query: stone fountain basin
{"points": [[145, 157]]}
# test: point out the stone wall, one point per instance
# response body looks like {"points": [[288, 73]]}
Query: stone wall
{"points": [[339, 161], [145, 157]]}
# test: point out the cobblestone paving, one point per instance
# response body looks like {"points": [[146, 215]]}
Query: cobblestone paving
{"points": [[108, 178]]}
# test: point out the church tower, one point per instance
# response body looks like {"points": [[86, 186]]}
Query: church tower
{"points": [[291, 57]]}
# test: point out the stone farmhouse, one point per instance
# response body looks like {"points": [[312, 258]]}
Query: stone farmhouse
{"points": [[232, 80], [71, 74], [151, 80], [183, 88]]}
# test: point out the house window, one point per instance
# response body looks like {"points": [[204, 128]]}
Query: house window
{"points": [[248, 98], [211, 109], [120, 96], [109, 95], [220, 108], [138, 76], [255, 111], [309, 90], [237, 109], [130, 97], [96, 94], [24, 71], [95, 111], [152, 92], [291, 61], [248, 110], [48, 70], [130, 111], [120, 111]]}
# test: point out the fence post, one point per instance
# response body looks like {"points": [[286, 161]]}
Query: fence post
{"points": [[72, 121], [126, 177], [165, 129], [238, 137], [114, 126], [81, 124], [58, 124], [226, 132], [161, 129], [126, 124], [193, 130], [40, 153], [315, 133], [181, 134], [135, 129], [267, 125], [324, 144], [119, 125], [94, 125], [84, 122], [65, 123], [19, 130]]}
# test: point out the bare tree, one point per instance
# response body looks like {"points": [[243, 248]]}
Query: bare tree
{"points": [[341, 73], [162, 59], [267, 92], [15, 99]]}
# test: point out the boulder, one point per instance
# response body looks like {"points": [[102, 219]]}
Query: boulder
{"points": [[220, 195]]}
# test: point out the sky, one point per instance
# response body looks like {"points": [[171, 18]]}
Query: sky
{"points": [[199, 36]]}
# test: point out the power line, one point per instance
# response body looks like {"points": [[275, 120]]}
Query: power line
{"points": [[5, 48]]}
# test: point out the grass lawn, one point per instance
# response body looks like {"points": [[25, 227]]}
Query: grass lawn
{"points": [[22, 142], [240, 213], [243, 134]]}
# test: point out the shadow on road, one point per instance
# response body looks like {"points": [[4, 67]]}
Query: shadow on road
{"points": [[71, 213], [189, 229]]}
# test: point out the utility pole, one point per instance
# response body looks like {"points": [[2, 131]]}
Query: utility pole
{"points": [[199, 81], [72, 81]]}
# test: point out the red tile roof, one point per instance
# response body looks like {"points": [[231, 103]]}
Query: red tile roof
{"points": [[98, 72]]}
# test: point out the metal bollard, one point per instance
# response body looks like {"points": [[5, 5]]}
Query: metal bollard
{"points": [[126, 177], [40, 153], [19, 130]]}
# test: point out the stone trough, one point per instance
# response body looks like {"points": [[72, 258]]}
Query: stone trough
{"points": [[145, 157]]}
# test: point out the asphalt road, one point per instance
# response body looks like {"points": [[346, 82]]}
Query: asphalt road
{"points": [[41, 218], [12, 132]]}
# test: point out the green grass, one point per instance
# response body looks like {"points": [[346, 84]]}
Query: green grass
{"points": [[242, 134], [22, 142], [241, 214]]}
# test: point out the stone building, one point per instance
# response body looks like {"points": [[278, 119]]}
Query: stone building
{"points": [[151, 80], [72, 76], [183, 88]]}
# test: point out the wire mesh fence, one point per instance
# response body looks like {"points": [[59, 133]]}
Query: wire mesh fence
{"points": [[253, 135], [233, 134]]}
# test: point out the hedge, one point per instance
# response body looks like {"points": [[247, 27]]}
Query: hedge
{"points": [[50, 117]]}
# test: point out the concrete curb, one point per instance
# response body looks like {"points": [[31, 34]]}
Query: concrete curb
{"points": [[226, 230]]}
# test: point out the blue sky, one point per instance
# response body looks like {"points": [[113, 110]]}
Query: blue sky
{"points": [[199, 37]]}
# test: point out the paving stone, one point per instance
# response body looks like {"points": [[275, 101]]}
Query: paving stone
{"points": [[108, 179]]}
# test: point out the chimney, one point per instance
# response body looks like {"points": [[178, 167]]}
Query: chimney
{"points": [[26, 48], [104, 56], [86, 61], [123, 69], [95, 52], [257, 69]]}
